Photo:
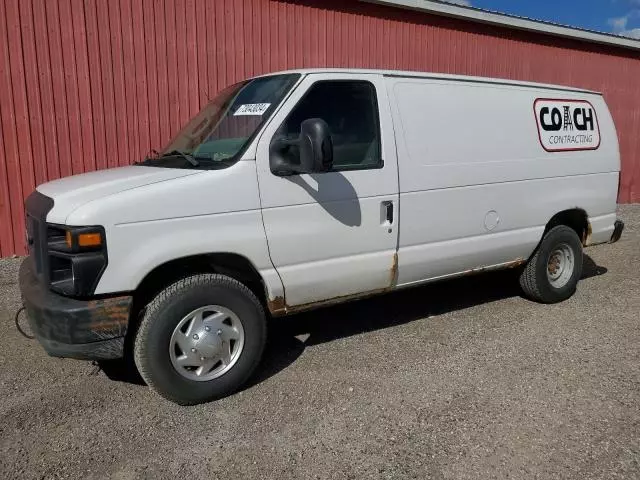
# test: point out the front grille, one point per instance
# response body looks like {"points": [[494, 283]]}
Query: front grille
{"points": [[37, 207], [34, 240]]}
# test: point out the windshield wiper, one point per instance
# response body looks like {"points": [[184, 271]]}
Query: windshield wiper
{"points": [[188, 157]]}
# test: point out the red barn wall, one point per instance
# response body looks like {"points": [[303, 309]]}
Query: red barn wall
{"points": [[91, 84]]}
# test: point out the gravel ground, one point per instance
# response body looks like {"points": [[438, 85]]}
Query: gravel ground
{"points": [[458, 380]]}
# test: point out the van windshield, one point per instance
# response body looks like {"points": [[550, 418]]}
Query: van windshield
{"points": [[218, 134]]}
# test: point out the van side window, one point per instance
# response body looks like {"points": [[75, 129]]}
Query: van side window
{"points": [[351, 111]]}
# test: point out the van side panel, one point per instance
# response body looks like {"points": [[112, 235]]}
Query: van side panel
{"points": [[476, 186]]}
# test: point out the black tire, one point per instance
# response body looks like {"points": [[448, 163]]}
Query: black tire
{"points": [[162, 315], [534, 280]]}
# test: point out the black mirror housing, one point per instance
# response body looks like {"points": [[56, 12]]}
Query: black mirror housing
{"points": [[316, 147], [315, 150]]}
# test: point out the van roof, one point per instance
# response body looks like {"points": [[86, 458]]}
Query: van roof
{"points": [[437, 76]]}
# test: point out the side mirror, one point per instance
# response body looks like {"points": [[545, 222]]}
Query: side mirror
{"points": [[314, 147]]}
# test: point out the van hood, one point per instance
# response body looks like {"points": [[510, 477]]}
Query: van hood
{"points": [[72, 192]]}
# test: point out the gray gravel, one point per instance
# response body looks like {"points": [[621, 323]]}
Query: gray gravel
{"points": [[459, 380]]}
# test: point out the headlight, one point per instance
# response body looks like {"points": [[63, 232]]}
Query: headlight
{"points": [[77, 258]]}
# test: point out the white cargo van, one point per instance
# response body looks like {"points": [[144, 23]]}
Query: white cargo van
{"points": [[303, 188]]}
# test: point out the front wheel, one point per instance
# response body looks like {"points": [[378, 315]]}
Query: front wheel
{"points": [[552, 273], [200, 339]]}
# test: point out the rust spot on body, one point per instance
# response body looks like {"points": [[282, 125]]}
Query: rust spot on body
{"points": [[334, 300], [109, 314], [516, 263], [393, 273], [277, 306], [512, 264], [473, 271], [586, 237]]}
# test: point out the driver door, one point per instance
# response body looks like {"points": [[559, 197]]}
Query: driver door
{"points": [[334, 234]]}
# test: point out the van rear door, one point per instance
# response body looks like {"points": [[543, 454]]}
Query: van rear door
{"points": [[334, 234]]}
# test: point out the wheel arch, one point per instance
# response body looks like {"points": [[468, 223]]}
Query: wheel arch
{"points": [[233, 265], [574, 218]]}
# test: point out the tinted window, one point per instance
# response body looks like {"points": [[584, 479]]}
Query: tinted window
{"points": [[350, 109]]}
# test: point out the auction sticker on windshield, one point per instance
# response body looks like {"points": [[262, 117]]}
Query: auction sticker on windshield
{"points": [[252, 109], [566, 125]]}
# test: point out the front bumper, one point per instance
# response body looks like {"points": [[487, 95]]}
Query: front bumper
{"points": [[66, 327]]}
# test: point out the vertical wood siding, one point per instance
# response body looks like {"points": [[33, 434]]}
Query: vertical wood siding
{"points": [[92, 84]]}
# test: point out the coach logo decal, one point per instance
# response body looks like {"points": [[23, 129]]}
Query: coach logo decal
{"points": [[566, 125]]}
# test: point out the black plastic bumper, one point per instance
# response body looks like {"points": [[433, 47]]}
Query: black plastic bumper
{"points": [[618, 227], [66, 327]]}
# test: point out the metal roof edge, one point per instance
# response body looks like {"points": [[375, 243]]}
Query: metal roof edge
{"points": [[442, 8]]}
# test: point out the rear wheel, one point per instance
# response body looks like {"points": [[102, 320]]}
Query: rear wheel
{"points": [[552, 273], [200, 339]]}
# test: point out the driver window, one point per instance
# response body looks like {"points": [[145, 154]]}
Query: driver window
{"points": [[350, 109]]}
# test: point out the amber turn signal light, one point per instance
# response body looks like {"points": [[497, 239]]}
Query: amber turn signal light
{"points": [[89, 239], [68, 239]]}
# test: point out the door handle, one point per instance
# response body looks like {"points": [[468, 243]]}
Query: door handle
{"points": [[387, 207]]}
